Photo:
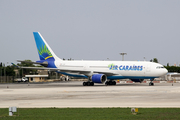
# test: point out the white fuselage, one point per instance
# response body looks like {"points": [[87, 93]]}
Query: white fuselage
{"points": [[114, 69]]}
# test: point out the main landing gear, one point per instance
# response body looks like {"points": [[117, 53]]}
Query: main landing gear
{"points": [[88, 83], [110, 82]]}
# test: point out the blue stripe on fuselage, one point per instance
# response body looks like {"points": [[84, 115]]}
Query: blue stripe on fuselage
{"points": [[129, 77]]}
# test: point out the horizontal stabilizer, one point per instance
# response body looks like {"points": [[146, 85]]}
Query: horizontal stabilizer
{"points": [[15, 65], [44, 63]]}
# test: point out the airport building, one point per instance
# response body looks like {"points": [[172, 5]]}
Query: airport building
{"points": [[37, 78]]}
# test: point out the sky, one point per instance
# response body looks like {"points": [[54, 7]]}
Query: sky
{"points": [[91, 29]]}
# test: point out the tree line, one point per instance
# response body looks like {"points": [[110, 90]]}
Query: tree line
{"points": [[6, 70], [173, 68], [10, 69], [169, 68]]}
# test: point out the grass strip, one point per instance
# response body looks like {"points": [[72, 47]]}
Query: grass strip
{"points": [[90, 113]]}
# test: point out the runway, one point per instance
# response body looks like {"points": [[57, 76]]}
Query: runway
{"points": [[73, 94]]}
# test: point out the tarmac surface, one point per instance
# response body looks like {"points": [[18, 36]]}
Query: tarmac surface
{"points": [[73, 95]]}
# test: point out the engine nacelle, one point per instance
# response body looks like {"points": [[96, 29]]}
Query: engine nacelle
{"points": [[137, 80], [99, 78]]}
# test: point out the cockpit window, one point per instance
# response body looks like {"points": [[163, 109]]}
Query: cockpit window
{"points": [[159, 67]]}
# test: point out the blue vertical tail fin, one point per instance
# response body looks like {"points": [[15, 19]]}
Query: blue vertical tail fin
{"points": [[44, 51]]}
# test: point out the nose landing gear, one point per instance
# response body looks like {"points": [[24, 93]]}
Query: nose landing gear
{"points": [[151, 83]]}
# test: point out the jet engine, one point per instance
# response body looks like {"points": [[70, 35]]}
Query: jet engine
{"points": [[98, 78]]}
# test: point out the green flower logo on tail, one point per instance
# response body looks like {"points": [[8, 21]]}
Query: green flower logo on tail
{"points": [[45, 53]]}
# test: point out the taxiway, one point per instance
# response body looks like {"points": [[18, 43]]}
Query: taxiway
{"points": [[73, 94]]}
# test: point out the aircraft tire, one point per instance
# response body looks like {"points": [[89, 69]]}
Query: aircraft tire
{"points": [[92, 84], [151, 84], [84, 83], [110, 82], [107, 83], [114, 83], [88, 83]]}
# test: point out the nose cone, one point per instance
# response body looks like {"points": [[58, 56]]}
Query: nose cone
{"points": [[165, 71]]}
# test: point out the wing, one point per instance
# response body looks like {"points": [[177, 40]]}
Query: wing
{"points": [[73, 70], [69, 69]]}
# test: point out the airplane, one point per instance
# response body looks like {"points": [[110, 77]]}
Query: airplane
{"points": [[96, 71]]}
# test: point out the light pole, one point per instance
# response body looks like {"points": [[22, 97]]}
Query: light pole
{"points": [[123, 55], [5, 64], [4, 73], [1, 74]]}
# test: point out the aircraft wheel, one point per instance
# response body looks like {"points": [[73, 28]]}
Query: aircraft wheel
{"points": [[84, 83], [106, 83], [92, 84], [114, 83], [88, 83], [151, 84], [110, 82]]}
